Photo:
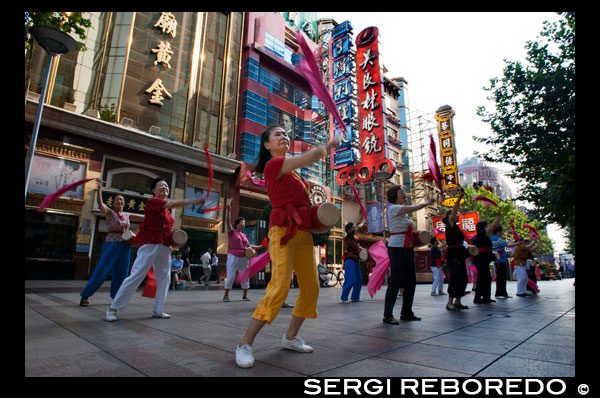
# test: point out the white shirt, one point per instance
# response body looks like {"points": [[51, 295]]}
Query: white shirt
{"points": [[397, 223], [205, 260]]}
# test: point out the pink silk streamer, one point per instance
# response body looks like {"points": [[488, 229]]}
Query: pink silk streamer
{"points": [[533, 285], [308, 68], [484, 200], [379, 254], [51, 198], [512, 230], [358, 199], [256, 181], [434, 169], [256, 264], [213, 209], [150, 287], [534, 232]]}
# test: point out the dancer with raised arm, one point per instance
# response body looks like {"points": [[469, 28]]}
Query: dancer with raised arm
{"points": [[290, 242]]}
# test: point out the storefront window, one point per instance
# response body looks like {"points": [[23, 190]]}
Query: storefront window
{"points": [[50, 235]]}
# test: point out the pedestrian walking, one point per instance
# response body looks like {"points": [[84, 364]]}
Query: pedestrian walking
{"points": [[402, 255], [155, 238], [116, 253], [290, 242]]}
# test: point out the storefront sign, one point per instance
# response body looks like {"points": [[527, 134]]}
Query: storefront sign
{"points": [[49, 174], [371, 121], [133, 204], [168, 25], [466, 222], [341, 72], [448, 154]]}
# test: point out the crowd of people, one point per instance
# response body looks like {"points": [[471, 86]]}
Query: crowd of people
{"points": [[290, 247]]}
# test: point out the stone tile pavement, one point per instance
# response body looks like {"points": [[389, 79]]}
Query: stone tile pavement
{"points": [[516, 337]]}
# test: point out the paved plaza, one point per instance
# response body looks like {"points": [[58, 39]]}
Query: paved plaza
{"points": [[516, 337]]}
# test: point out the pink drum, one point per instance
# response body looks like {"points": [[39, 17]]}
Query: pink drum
{"points": [[324, 216]]}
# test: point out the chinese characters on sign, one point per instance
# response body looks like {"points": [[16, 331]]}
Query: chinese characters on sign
{"points": [[135, 205], [168, 25], [369, 97], [371, 123], [448, 153], [466, 222], [341, 86]]}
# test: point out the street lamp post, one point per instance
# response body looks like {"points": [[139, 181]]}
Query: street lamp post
{"points": [[55, 43]]}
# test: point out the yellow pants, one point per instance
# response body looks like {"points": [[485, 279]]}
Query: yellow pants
{"points": [[296, 254]]}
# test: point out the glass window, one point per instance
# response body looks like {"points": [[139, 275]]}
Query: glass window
{"points": [[50, 235]]}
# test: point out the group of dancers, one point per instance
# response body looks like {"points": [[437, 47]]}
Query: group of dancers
{"points": [[290, 247]]}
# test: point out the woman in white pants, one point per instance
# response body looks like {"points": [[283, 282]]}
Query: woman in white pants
{"points": [[236, 254], [520, 264], [155, 238]]}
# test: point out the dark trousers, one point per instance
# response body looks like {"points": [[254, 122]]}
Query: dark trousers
{"points": [[501, 279], [483, 288], [458, 276], [403, 275]]}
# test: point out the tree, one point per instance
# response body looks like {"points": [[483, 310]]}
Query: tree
{"points": [[66, 21], [508, 211], [533, 123]]}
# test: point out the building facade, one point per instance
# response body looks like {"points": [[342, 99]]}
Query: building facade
{"points": [[151, 90]]}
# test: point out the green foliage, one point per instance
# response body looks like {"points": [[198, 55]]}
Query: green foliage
{"points": [[68, 22], [533, 123], [108, 113], [508, 210]]}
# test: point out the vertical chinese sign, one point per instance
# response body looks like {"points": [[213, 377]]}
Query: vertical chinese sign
{"points": [[449, 167], [341, 72], [370, 112], [168, 25]]}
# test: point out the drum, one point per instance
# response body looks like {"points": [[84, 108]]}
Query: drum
{"points": [[473, 250], [250, 252], [179, 237], [363, 255], [129, 238], [324, 216], [421, 238]]}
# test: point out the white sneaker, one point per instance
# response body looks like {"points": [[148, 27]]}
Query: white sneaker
{"points": [[110, 316], [243, 356], [164, 315], [297, 344]]}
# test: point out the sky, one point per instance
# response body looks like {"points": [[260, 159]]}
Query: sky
{"points": [[447, 59]]}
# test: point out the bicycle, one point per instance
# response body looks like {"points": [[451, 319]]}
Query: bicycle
{"points": [[335, 278]]}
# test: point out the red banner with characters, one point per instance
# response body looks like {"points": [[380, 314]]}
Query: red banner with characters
{"points": [[370, 112], [466, 222]]}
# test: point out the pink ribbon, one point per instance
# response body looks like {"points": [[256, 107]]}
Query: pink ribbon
{"points": [[512, 230], [434, 169], [150, 287], [358, 199], [533, 285], [51, 198], [255, 181], [308, 68], [534, 232], [256, 264], [484, 200], [379, 254]]}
